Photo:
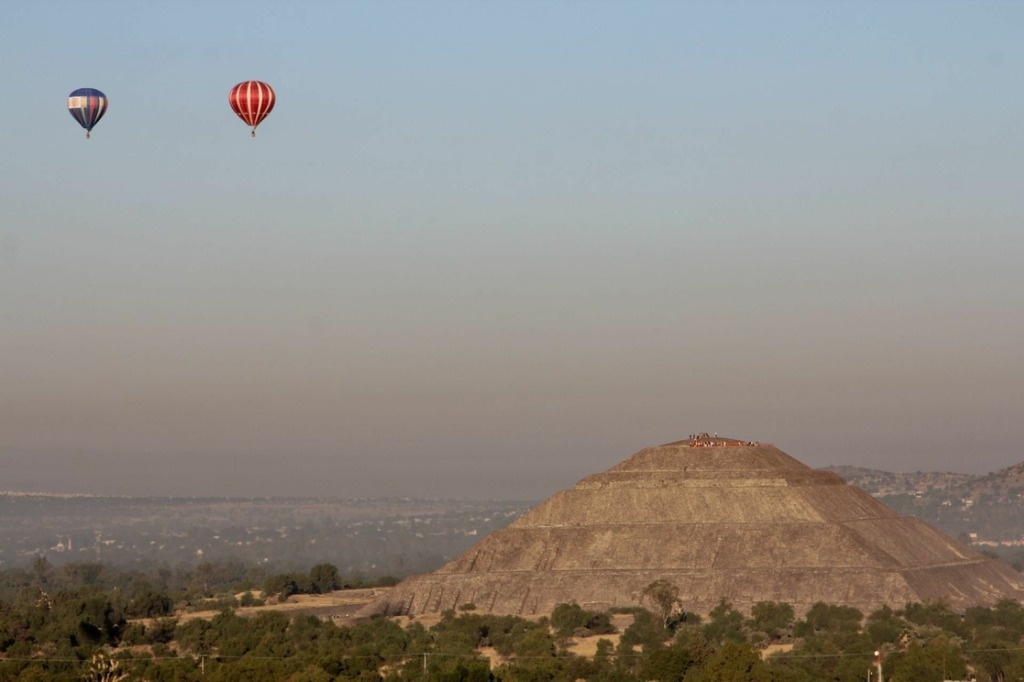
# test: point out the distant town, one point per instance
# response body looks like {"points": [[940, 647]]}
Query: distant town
{"points": [[376, 537], [362, 537]]}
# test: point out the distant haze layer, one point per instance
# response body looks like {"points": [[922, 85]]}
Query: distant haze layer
{"points": [[488, 249]]}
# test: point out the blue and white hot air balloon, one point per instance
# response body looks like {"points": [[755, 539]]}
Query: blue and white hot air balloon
{"points": [[87, 106]]}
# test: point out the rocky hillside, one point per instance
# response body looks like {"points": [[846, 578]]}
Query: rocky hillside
{"points": [[888, 483]]}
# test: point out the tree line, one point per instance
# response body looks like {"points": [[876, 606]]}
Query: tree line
{"points": [[89, 622]]}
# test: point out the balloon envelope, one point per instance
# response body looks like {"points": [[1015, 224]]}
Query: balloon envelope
{"points": [[252, 101], [87, 106]]}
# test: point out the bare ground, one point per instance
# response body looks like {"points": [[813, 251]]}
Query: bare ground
{"points": [[340, 605]]}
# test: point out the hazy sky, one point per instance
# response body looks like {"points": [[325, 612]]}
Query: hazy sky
{"points": [[488, 248]]}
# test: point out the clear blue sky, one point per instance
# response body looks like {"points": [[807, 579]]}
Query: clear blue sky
{"points": [[486, 249]]}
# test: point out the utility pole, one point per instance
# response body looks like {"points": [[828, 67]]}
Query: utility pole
{"points": [[878, 665]]}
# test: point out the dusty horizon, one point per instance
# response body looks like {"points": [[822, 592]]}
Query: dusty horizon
{"points": [[490, 249]]}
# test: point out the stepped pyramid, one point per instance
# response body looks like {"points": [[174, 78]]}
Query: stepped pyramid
{"points": [[717, 517]]}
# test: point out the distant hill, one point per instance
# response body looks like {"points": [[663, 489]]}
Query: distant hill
{"points": [[887, 483], [986, 509]]}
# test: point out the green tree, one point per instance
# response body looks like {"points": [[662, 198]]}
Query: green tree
{"points": [[666, 665], [734, 662], [43, 572], [823, 617], [148, 603], [78, 574], [831, 646], [646, 631], [692, 639], [283, 585], [936, 660], [459, 670], [997, 660], [884, 626], [936, 614], [534, 643], [1006, 618], [771, 618], [567, 619], [311, 673], [724, 623], [194, 636], [324, 578], [161, 630]]}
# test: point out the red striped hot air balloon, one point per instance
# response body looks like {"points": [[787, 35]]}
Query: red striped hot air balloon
{"points": [[252, 101]]}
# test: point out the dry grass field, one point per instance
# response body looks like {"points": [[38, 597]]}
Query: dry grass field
{"points": [[339, 606]]}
